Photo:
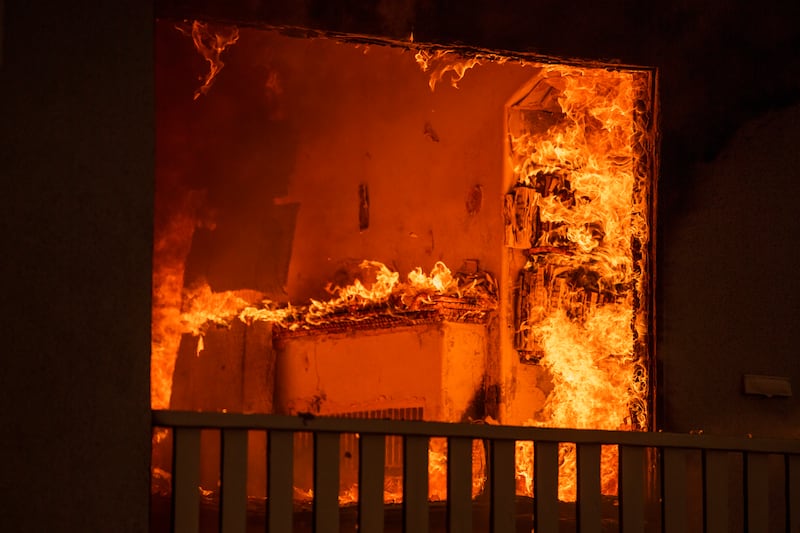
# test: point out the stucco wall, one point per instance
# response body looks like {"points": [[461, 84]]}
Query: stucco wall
{"points": [[76, 160], [731, 288]]}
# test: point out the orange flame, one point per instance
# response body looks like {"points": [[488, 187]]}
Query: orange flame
{"points": [[586, 335], [386, 289], [440, 62], [201, 306], [357, 294], [172, 241], [437, 477], [211, 42], [440, 280], [437, 469]]}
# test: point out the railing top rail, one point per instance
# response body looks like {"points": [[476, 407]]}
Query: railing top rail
{"points": [[216, 420]]}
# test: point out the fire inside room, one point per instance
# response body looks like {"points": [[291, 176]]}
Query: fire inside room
{"points": [[354, 227]]}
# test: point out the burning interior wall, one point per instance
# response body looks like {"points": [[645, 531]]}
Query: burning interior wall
{"points": [[310, 154], [577, 232]]}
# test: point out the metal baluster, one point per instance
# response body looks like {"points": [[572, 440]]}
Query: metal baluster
{"points": [[233, 499], [546, 487], [186, 480], [589, 514], [370, 484], [415, 485], [459, 485], [756, 472], [503, 485], [280, 480], [673, 477], [715, 473], [631, 488], [326, 482]]}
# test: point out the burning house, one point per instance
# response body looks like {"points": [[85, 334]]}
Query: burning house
{"points": [[302, 164], [392, 212]]}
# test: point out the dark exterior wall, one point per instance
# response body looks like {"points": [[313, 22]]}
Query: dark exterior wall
{"points": [[76, 166], [731, 290]]}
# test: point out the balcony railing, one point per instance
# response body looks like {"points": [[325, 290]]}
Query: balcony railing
{"points": [[667, 482]]}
